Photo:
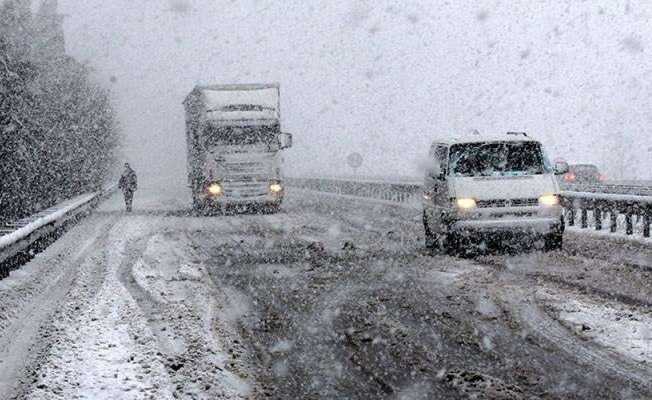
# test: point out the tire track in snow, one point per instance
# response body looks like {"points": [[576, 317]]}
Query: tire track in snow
{"points": [[102, 348], [182, 317], [522, 305]]}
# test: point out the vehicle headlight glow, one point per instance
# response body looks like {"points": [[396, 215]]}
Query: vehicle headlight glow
{"points": [[465, 204], [549, 200], [215, 189], [275, 187], [569, 177]]}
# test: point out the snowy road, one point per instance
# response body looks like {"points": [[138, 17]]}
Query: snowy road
{"points": [[332, 298]]}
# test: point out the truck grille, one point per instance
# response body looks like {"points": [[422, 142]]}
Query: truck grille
{"points": [[243, 190], [246, 179], [246, 168]]}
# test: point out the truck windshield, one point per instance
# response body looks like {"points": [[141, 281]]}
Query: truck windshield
{"points": [[241, 135], [497, 159]]}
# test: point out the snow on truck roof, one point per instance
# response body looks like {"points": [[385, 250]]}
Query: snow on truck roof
{"points": [[239, 86], [505, 137], [238, 101]]}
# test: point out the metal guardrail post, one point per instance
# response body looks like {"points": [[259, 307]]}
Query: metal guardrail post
{"points": [[600, 204], [629, 227], [571, 215], [613, 220]]}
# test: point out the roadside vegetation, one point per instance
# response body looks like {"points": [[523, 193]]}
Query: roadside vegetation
{"points": [[58, 131]]}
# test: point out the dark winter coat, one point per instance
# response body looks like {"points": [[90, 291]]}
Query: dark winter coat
{"points": [[128, 181]]}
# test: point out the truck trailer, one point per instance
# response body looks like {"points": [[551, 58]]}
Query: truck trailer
{"points": [[234, 144]]}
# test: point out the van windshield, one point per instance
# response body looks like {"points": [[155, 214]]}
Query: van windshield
{"points": [[497, 159]]}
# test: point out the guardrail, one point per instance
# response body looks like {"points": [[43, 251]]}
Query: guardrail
{"points": [[627, 189], [632, 212], [19, 236], [615, 205], [394, 192]]}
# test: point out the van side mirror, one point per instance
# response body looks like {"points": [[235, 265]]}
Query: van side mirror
{"points": [[285, 140], [435, 172], [561, 167]]}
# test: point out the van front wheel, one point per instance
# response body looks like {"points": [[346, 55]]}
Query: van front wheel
{"points": [[554, 241], [436, 243]]}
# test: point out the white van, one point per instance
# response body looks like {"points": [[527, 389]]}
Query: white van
{"points": [[478, 185]]}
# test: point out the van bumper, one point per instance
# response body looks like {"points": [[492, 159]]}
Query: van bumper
{"points": [[538, 225], [267, 199]]}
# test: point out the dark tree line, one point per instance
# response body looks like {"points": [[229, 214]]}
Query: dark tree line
{"points": [[58, 132]]}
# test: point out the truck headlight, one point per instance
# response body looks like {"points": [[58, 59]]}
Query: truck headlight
{"points": [[215, 189], [549, 200], [275, 187], [465, 204]]}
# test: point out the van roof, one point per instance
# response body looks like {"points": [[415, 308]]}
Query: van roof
{"points": [[505, 137]]}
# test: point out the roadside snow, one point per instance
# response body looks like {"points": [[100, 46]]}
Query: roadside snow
{"points": [[413, 203], [624, 329], [616, 236]]}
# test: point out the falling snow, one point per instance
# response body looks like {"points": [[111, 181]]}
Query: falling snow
{"points": [[257, 199]]}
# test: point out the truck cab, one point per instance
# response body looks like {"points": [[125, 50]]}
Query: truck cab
{"points": [[234, 143], [486, 186]]}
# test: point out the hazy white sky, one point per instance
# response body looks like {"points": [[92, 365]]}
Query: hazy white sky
{"points": [[381, 78]]}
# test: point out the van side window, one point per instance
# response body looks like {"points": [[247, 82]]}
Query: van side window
{"points": [[441, 156]]}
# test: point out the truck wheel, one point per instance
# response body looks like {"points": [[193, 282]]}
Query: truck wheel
{"points": [[554, 241], [198, 206], [195, 204]]}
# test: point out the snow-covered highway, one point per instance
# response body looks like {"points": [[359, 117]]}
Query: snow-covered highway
{"points": [[331, 298]]}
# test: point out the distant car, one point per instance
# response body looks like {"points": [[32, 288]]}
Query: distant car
{"points": [[584, 174]]}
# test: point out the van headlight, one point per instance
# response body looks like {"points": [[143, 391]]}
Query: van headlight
{"points": [[549, 200], [275, 187], [465, 204], [215, 189]]}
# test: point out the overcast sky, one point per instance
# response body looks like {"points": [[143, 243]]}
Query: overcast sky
{"points": [[381, 78]]}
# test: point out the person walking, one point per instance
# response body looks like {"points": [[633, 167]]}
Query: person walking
{"points": [[128, 184]]}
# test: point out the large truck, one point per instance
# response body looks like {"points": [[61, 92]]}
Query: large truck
{"points": [[234, 144]]}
